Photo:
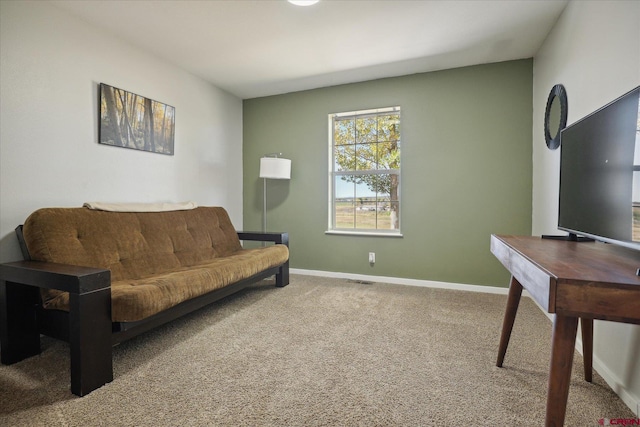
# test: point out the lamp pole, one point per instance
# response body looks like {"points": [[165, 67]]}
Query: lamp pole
{"points": [[264, 205]]}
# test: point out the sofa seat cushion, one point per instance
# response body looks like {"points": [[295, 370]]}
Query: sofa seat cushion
{"points": [[136, 299]]}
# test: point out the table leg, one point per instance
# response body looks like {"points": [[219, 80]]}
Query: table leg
{"points": [[562, 347], [587, 347], [513, 300]]}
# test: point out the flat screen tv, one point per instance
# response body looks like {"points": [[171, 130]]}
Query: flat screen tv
{"points": [[600, 174]]}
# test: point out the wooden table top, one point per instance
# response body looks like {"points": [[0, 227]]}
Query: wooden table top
{"points": [[584, 279]]}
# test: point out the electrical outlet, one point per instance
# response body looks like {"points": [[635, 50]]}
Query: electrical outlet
{"points": [[372, 257]]}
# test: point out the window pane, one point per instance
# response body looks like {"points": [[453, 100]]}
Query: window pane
{"points": [[366, 129], [344, 131], [374, 215], [388, 155], [366, 156], [366, 187], [382, 221], [389, 193], [388, 127], [394, 215], [344, 158], [344, 187], [345, 214], [384, 216], [386, 186], [365, 203], [366, 215]]}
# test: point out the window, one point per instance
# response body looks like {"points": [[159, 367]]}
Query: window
{"points": [[364, 171]]}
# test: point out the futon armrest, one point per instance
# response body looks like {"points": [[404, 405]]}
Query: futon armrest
{"points": [[282, 278], [88, 329], [62, 277], [276, 237]]}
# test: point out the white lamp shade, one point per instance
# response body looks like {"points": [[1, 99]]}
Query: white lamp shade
{"points": [[303, 2], [275, 168]]}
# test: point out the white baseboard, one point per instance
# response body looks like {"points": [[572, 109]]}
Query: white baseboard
{"points": [[403, 281], [629, 398]]}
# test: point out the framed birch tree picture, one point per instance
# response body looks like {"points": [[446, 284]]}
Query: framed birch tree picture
{"points": [[133, 121]]}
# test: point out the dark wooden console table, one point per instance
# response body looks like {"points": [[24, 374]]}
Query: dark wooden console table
{"points": [[574, 280]]}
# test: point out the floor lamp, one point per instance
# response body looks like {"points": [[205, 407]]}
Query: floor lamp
{"points": [[272, 167]]}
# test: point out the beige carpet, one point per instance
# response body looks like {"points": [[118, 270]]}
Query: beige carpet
{"points": [[319, 352]]}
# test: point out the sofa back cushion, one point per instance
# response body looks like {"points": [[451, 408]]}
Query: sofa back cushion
{"points": [[133, 245]]}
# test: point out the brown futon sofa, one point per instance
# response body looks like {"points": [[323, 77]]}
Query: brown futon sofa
{"points": [[96, 278]]}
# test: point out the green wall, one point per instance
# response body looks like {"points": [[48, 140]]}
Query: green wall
{"points": [[466, 171]]}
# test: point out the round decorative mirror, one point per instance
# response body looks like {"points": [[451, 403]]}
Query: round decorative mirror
{"points": [[555, 116]]}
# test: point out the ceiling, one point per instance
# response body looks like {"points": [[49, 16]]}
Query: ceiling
{"points": [[254, 48]]}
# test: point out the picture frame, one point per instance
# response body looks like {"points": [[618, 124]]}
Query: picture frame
{"points": [[133, 121]]}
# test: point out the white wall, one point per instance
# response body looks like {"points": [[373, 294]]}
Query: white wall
{"points": [[594, 51], [51, 65]]}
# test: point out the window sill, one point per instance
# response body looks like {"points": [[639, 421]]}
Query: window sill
{"points": [[362, 233]]}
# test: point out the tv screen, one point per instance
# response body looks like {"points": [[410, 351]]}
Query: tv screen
{"points": [[600, 174]]}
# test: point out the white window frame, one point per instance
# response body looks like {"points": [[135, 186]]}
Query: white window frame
{"points": [[332, 229]]}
